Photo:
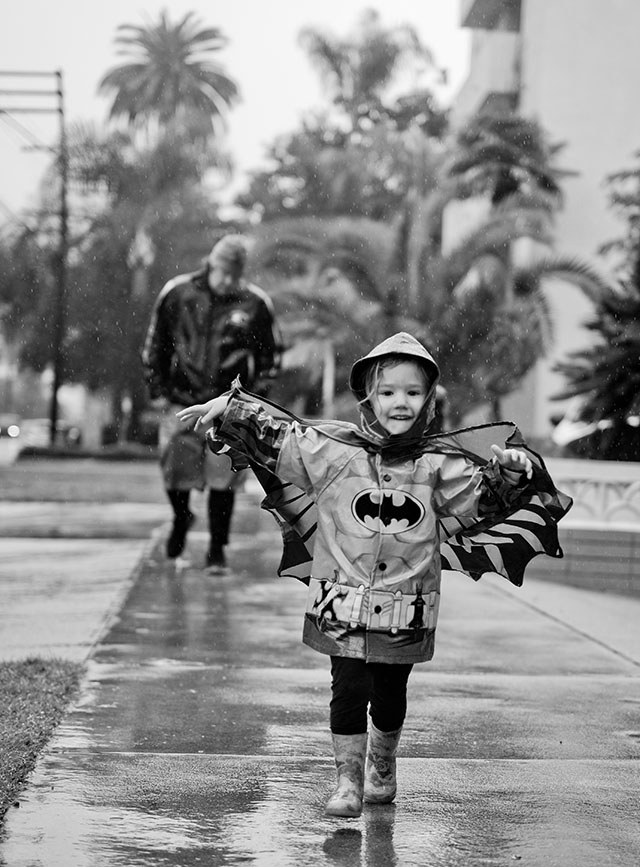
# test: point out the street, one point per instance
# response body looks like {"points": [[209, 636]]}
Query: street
{"points": [[201, 734]]}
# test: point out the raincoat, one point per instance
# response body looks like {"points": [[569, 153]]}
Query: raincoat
{"points": [[370, 519]]}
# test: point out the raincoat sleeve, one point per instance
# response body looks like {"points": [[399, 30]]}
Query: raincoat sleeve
{"points": [[281, 446], [466, 489], [253, 438], [248, 434]]}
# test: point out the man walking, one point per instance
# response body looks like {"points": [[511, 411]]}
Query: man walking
{"points": [[206, 328]]}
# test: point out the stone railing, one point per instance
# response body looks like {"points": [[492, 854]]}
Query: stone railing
{"points": [[600, 536], [606, 494]]}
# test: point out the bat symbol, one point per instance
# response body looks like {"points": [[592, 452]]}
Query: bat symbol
{"points": [[387, 507]]}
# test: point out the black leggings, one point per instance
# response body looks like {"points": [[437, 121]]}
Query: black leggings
{"points": [[356, 684]]}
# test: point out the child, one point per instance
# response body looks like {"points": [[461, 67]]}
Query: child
{"points": [[382, 494]]}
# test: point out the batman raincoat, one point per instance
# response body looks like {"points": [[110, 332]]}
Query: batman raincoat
{"points": [[370, 519]]}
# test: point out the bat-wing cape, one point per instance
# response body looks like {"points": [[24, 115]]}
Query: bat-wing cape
{"points": [[503, 543]]}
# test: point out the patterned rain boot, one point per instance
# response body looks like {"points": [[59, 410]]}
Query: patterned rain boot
{"points": [[380, 770], [346, 799]]}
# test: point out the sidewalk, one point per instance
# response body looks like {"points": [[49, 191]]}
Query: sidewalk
{"points": [[200, 736]]}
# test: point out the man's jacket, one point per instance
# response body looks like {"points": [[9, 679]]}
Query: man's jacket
{"points": [[198, 341]]}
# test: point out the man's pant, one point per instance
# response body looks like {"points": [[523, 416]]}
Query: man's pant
{"points": [[186, 463]]}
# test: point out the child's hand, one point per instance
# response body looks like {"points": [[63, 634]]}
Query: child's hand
{"points": [[203, 413], [513, 460]]}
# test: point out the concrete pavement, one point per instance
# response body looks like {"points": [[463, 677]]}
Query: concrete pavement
{"points": [[200, 735]]}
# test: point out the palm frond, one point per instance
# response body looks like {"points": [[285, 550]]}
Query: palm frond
{"points": [[575, 271]]}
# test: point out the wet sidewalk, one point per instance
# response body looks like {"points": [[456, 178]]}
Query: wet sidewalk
{"points": [[201, 738]]}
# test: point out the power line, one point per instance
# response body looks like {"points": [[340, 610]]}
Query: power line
{"points": [[6, 117], [13, 216]]}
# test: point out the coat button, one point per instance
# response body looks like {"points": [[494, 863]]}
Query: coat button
{"points": [[386, 477], [382, 566]]}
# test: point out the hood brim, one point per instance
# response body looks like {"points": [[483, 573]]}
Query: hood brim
{"points": [[400, 344]]}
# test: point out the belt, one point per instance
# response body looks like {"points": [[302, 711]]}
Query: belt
{"points": [[378, 610]]}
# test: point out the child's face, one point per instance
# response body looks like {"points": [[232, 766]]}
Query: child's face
{"points": [[399, 396]]}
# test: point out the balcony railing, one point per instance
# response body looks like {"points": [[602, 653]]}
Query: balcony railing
{"points": [[606, 494], [493, 71], [490, 14], [600, 536]]}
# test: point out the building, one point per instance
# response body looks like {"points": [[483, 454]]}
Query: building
{"points": [[574, 66]]}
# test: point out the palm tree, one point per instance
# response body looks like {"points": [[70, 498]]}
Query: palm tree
{"points": [[487, 319], [123, 195], [605, 378], [168, 76], [503, 154], [358, 70], [328, 281], [497, 324], [504, 158]]}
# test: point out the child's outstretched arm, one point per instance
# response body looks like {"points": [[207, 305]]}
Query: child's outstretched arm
{"points": [[204, 413], [514, 462]]}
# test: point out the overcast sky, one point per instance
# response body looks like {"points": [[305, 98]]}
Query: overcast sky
{"points": [[277, 82]]}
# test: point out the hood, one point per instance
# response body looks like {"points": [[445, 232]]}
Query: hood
{"points": [[400, 344]]}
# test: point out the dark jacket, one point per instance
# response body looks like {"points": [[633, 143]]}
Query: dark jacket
{"points": [[198, 342]]}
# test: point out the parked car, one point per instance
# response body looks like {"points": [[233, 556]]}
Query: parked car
{"points": [[10, 425], [10, 438], [36, 432]]}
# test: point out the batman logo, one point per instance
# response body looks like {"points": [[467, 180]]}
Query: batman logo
{"points": [[387, 511]]}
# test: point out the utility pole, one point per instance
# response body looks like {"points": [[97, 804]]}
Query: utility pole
{"points": [[56, 90]]}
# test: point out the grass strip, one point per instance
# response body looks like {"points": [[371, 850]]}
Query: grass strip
{"points": [[34, 695]]}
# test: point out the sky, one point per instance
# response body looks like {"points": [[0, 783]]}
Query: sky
{"points": [[278, 84]]}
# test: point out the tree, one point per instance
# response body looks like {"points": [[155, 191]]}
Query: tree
{"points": [[170, 77], [124, 189], [501, 155], [486, 318], [319, 171], [116, 188], [604, 379], [356, 156], [27, 296], [171, 87], [497, 324], [327, 278], [153, 196], [359, 69]]}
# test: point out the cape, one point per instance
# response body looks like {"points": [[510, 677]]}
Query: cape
{"points": [[503, 543]]}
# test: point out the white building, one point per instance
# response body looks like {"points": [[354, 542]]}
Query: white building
{"points": [[574, 66]]}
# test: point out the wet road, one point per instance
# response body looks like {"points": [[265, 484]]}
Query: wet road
{"points": [[201, 737]]}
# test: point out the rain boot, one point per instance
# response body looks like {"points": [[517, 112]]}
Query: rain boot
{"points": [[346, 799], [380, 769]]}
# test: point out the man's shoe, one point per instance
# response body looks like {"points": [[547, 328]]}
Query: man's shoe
{"points": [[215, 560], [178, 537]]}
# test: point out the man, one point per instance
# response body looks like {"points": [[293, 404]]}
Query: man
{"points": [[206, 328]]}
